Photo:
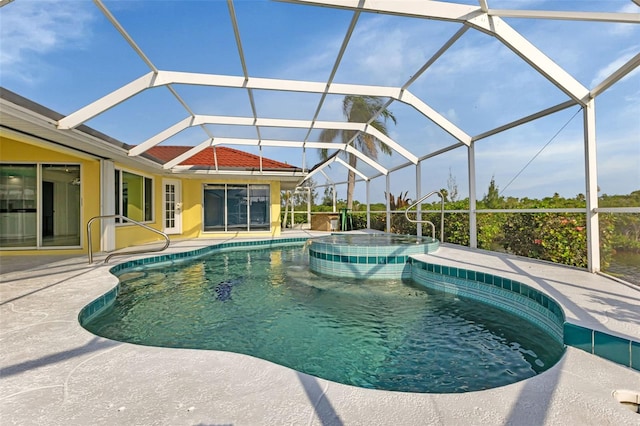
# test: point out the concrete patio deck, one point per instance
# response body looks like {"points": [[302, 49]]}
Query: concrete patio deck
{"points": [[54, 372]]}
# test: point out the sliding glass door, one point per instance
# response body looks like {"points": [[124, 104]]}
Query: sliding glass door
{"points": [[236, 208], [18, 205], [60, 211], [39, 205]]}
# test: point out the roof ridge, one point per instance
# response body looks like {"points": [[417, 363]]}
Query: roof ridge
{"points": [[254, 155], [250, 160]]}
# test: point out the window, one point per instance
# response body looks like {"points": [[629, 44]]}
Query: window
{"points": [[214, 208], [134, 196], [237, 207], [259, 207]]}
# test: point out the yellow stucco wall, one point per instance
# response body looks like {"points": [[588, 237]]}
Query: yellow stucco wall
{"points": [[192, 193], [192, 213], [14, 150]]}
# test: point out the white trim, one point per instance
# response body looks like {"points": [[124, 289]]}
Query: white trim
{"points": [[247, 186], [473, 219], [107, 206], [353, 169], [629, 18], [199, 120], [177, 206], [495, 26], [591, 184], [153, 184]]}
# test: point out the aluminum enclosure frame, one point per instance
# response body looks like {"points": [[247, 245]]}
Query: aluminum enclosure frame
{"points": [[470, 17]]}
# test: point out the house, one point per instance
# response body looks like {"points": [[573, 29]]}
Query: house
{"points": [[52, 182]]}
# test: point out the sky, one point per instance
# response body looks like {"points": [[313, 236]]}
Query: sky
{"points": [[66, 54]]}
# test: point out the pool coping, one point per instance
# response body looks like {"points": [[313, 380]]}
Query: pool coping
{"points": [[56, 372], [531, 304]]}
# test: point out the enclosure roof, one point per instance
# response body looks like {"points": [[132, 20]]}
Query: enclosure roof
{"points": [[213, 76]]}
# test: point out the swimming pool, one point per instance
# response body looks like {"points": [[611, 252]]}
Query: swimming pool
{"points": [[380, 334]]}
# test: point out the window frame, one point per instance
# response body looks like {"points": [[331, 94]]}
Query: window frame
{"points": [[248, 226], [39, 207], [146, 204]]}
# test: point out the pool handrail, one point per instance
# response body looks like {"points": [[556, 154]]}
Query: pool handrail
{"points": [[124, 219], [433, 227]]}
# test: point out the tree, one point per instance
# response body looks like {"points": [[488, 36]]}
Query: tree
{"points": [[493, 200], [301, 195], [359, 109], [313, 191], [402, 202], [445, 194], [327, 196], [452, 185]]}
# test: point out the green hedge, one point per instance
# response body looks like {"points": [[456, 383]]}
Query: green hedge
{"points": [[557, 237]]}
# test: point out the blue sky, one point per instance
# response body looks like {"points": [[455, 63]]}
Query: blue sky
{"points": [[65, 54]]}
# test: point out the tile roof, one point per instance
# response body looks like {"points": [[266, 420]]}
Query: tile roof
{"points": [[227, 158]]}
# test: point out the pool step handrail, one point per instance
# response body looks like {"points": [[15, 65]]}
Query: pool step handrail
{"points": [[433, 227], [123, 219]]}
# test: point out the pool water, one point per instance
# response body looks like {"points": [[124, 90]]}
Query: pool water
{"points": [[379, 334]]}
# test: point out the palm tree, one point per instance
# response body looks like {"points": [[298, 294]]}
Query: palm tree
{"points": [[359, 109]]}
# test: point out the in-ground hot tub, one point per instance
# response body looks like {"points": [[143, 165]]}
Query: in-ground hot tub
{"points": [[363, 255]]}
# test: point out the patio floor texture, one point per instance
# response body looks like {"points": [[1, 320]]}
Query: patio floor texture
{"points": [[54, 372]]}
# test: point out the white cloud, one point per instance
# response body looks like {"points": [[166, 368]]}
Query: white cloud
{"points": [[452, 115], [379, 52], [465, 57], [611, 67], [624, 29], [314, 59], [388, 50], [30, 27]]}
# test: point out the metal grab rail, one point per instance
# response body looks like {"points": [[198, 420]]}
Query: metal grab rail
{"points": [[433, 227], [123, 218]]}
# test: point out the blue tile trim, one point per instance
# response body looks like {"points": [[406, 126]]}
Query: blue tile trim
{"points": [[578, 337], [364, 261], [501, 292], [358, 259], [98, 305], [613, 348], [635, 355], [216, 248]]}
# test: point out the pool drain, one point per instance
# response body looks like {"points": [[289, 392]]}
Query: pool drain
{"points": [[628, 399]]}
